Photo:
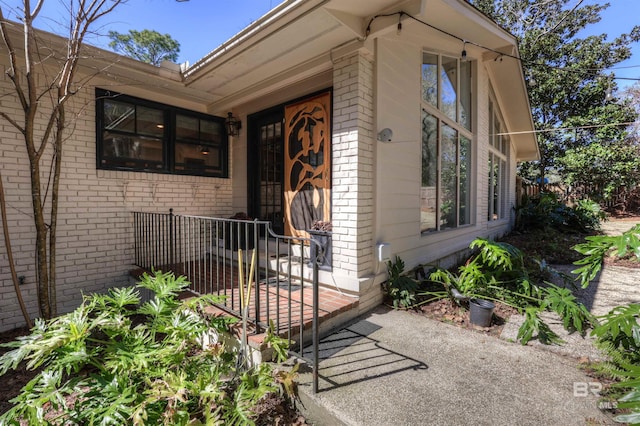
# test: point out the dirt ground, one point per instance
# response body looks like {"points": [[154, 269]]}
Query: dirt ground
{"points": [[447, 311]]}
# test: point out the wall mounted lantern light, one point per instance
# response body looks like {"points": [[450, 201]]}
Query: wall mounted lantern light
{"points": [[233, 125]]}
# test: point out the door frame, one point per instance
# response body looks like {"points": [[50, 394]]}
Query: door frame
{"points": [[254, 122]]}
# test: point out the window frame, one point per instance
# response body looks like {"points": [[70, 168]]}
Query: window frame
{"points": [[498, 153], [169, 139], [463, 128]]}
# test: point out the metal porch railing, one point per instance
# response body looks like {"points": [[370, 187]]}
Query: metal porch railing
{"points": [[206, 250]]}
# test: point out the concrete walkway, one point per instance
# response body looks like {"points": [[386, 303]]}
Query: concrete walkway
{"points": [[400, 368]]}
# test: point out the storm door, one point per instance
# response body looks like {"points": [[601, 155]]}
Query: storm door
{"points": [[307, 163], [289, 165]]}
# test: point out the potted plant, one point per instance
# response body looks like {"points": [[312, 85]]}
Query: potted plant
{"points": [[320, 233]]}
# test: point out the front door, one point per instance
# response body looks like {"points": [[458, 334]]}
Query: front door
{"points": [[265, 171], [290, 165]]}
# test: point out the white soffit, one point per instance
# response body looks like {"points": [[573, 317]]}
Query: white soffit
{"points": [[296, 43]]}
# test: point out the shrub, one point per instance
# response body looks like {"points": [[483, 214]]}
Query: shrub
{"points": [[618, 333], [115, 360], [498, 272], [400, 287], [546, 210]]}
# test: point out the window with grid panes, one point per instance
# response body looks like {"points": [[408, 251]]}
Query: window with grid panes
{"points": [[445, 196], [139, 135], [497, 164]]}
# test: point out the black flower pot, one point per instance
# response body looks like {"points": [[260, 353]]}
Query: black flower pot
{"points": [[323, 238]]}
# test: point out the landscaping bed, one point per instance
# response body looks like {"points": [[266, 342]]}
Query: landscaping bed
{"points": [[445, 310], [271, 410]]}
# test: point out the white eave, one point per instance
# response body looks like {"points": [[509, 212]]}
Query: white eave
{"points": [[301, 38]]}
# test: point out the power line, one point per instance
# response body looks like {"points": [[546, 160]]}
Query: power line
{"points": [[500, 54], [558, 129]]}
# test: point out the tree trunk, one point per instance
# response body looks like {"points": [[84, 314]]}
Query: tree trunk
{"points": [[41, 238], [12, 266], [57, 158]]}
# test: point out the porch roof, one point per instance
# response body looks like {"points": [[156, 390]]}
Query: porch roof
{"points": [[299, 39]]}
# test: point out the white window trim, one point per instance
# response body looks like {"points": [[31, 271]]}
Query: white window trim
{"points": [[443, 118]]}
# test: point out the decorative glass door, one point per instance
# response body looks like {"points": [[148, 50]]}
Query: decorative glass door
{"points": [[265, 168]]}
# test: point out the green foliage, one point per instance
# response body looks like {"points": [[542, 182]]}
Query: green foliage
{"points": [[279, 345], [618, 332], [498, 271], [620, 328], [534, 326], [596, 248], [560, 300], [602, 169], [547, 211], [565, 90], [619, 335], [146, 46], [400, 287], [123, 362]]}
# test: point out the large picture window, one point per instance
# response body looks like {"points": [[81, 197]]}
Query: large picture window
{"points": [[138, 135], [445, 198], [498, 156]]}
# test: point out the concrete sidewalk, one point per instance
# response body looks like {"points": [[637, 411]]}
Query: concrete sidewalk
{"points": [[399, 368]]}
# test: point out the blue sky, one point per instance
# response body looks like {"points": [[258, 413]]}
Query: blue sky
{"points": [[619, 18], [202, 25]]}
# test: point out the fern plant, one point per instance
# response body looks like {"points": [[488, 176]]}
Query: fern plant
{"points": [[618, 333], [115, 360]]}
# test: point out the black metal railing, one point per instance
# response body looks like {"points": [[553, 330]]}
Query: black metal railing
{"points": [[211, 253]]}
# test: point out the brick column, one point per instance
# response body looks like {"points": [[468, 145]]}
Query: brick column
{"points": [[353, 165]]}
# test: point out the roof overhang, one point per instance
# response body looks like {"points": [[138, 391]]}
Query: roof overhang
{"points": [[302, 38]]}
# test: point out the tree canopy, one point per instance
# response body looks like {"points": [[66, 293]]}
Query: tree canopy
{"points": [[568, 85], [147, 46]]}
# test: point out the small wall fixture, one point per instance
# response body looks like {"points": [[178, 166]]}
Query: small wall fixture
{"points": [[233, 125], [385, 135]]}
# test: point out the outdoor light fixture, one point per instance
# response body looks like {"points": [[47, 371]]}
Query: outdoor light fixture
{"points": [[204, 150], [233, 125], [463, 55], [385, 135]]}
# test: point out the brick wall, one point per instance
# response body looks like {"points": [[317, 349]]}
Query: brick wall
{"points": [[352, 185], [95, 234]]}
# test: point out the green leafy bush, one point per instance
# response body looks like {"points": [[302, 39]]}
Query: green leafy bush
{"points": [[498, 271], [546, 210], [596, 248], [400, 287], [115, 361], [618, 332]]}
